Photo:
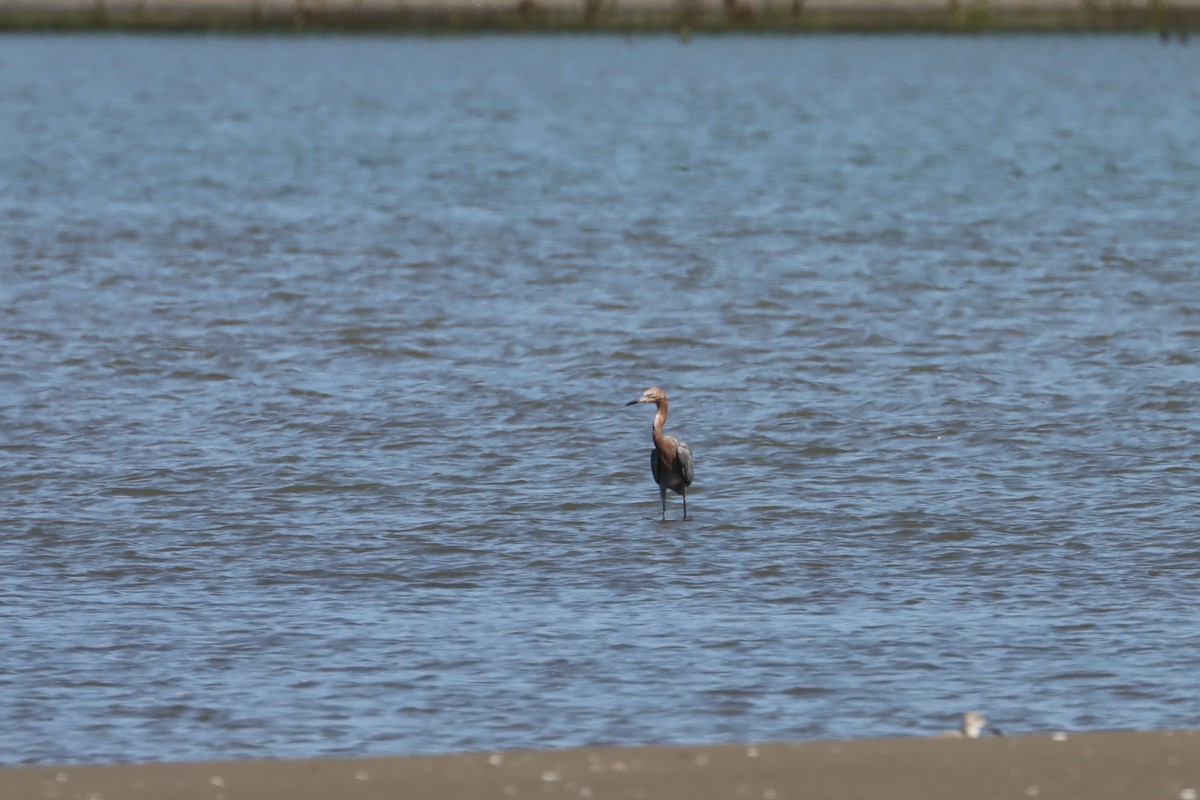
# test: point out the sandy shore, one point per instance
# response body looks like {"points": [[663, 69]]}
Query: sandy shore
{"points": [[1093, 766]]}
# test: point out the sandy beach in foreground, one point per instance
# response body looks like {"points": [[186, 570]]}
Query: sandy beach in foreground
{"points": [[1163, 765]]}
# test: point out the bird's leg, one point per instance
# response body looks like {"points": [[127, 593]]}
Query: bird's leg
{"points": [[685, 502], [662, 494]]}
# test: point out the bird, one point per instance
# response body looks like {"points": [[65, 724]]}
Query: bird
{"points": [[671, 459], [973, 724]]}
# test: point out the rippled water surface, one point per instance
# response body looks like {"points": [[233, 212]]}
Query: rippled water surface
{"points": [[315, 350]]}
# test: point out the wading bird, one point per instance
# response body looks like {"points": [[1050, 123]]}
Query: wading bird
{"points": [[973, 725], [671, 459]]}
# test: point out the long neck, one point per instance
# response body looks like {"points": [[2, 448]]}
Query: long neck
{"points": [[660, 441]]}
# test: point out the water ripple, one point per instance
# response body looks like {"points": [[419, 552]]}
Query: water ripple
{"points": [[311, 409]]}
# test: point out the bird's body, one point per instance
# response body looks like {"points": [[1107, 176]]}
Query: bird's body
{"points": [[973, 725], [671, 459]]}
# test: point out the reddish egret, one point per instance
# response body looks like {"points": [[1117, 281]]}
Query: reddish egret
{"points": [[671, 459]]}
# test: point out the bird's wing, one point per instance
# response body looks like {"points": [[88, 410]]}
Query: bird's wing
{"points": [[683, 454]]}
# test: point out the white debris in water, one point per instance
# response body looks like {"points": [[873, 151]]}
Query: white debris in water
{"points": [[1187, 794], [495, 759], [752, 752], [1033, 791], [551, 776], [361, 775], [1059, 736], [217, 780]]}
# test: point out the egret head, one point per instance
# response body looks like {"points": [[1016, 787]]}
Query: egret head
{"points": [[651, 395]]}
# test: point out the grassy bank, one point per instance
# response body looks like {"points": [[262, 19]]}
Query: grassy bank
{"points": [[602, 16]]}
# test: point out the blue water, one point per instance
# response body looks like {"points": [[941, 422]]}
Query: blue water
{"points": [[314, 351]]}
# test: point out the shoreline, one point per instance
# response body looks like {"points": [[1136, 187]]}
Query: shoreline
{"points": [[1167, 18], [1122, 765]]}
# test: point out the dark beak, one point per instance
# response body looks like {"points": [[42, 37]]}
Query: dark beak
{"points": [[631, 403]]}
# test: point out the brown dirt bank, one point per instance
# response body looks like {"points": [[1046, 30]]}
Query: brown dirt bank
{"points": [[1091, 766]]}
